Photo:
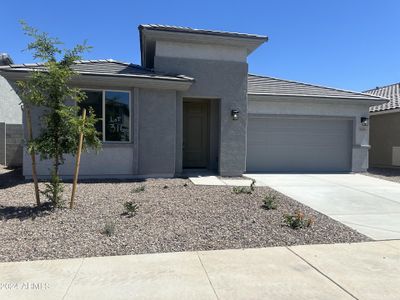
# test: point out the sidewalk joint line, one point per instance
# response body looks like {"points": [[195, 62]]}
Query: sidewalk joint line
{"points": [[73, 279], [323, 274], [208, 277]]}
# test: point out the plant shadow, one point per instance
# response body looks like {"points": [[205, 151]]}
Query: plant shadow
{"points": [[25, 212]]}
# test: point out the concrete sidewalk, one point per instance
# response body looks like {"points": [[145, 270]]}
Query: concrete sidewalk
{"points": [[340, 271]]}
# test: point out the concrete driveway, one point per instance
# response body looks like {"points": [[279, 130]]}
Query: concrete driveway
{"points": [[366, 204]]}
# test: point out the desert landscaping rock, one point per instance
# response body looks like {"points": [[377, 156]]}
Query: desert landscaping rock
{"points": [[385, 173], [182, 217]]}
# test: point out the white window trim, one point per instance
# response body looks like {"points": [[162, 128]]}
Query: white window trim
{"points": [[104, 114]]}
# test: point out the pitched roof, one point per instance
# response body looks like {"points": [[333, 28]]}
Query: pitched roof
{"points": [[391, 92], [104, 67], [201, 31], [263, 85]]}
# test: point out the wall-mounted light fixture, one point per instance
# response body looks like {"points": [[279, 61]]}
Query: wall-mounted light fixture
{"points": [[235, 114], [364, 121]]}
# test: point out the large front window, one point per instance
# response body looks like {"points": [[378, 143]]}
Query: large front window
{"points": [[114, 110]]}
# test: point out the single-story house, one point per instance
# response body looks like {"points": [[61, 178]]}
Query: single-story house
{"points": [[385, 128], [11, 132], [192, 104]]}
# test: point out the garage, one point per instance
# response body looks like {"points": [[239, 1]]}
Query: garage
{"points": [[299, 144]]}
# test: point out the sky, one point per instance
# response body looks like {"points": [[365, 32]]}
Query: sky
{"points": [[353, 44]]}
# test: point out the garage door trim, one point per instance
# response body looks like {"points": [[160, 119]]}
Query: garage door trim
{"points": [[348, 143]]}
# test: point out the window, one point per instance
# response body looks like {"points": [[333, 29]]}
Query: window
{"points": [[94, 99], [113, 108], [117, 116]]}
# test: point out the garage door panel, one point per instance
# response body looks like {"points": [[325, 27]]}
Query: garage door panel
{"points": [[299, 145]]}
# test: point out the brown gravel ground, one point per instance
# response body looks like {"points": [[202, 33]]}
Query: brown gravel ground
{"points": [[385, 173], [173, 215]]}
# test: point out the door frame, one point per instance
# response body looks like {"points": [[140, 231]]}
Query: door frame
{"points": [[208, 130]]}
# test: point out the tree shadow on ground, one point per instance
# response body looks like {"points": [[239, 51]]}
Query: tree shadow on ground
{"points": [[24, 212], [10, 177]]}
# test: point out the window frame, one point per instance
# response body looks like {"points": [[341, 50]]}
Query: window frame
{"points": [[103, 105]]}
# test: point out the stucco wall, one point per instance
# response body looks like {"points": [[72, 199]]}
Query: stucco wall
{"points": [[157, 130], [10, 110], [2, 143], [340, 108], [384, 135], [223, 80], [200, 51]]}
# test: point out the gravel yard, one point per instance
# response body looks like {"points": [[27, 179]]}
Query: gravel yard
{"points": [[173, 215], [385, 173]]}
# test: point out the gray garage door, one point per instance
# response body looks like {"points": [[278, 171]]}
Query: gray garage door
{"points": [[298, 145]]}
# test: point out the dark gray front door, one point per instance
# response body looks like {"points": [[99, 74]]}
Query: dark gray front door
{"points": [[195, 134]]}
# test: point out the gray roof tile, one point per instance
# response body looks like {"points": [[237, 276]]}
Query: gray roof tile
{"points": [[201, 31], [391, 92], [104, 67], [263, 85]]}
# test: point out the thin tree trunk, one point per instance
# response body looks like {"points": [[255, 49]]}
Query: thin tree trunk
{"points": [[78, 160], [33, 158]]}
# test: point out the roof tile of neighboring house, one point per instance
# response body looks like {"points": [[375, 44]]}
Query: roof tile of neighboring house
{"points": [[107, 67], [391, 92], [263, 85], [201, 31]]}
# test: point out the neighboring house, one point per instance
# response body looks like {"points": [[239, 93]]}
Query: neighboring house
{"points": [[385, 128], [11, 132], [192, 104]]}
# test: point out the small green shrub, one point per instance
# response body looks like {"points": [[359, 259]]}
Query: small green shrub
{"points": [[138, 189], [241, 190], [298, 220], [109, 229], [245, 189], [270, 202], [253, 185], [53, 191], [131, 208]]}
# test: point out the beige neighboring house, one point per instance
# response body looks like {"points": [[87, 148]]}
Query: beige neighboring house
{"points": [[385, 128]]}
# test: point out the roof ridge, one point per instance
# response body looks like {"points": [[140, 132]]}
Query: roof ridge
{"points": [[318, 86], [381, 87], [199, 30], [87, 61]]}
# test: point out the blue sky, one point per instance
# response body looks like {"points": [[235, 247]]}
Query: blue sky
{"points": [[351, 44]]}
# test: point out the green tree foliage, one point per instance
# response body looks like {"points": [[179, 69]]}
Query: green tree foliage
{"points": [[49, 87]]}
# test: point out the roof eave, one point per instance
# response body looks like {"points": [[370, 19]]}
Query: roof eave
{"points": [[364, 100], [385, 111], [250, 43], [139, 81]]}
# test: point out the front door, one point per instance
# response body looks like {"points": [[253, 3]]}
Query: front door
{"points": [[195, 134]]}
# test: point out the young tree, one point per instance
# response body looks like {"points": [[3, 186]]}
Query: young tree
{"points": [[49, 87]]}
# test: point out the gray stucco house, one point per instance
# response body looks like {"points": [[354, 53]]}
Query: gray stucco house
{"points": [[192, 104], [11, 132], [385, 128]]}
